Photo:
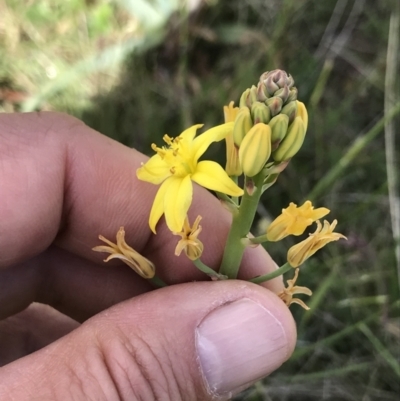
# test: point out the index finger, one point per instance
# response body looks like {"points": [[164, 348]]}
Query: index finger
{"points": [[63, 181]]}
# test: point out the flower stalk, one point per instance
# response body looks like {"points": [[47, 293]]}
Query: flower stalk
{"points": [[241, 225], [278, 272]]}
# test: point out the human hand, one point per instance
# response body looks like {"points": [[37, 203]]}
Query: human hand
{"points": [[62, 184]]}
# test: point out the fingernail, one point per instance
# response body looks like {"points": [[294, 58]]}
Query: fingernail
{"points": [[238, 344]]}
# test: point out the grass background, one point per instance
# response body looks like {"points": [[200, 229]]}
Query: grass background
{"points": [[136, 69]]}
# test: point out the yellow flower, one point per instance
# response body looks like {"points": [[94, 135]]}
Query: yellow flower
{"points": [[232, 167], [176, 166], [294, 220], [300, 252], [121, 250], [189, 243], [287, 294]]}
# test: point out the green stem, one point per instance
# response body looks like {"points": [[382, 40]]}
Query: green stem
{"points": [[241, 225], [206, 269], [258, 240], [157, 282], [282, 270], [231, 203], [235, 179]]}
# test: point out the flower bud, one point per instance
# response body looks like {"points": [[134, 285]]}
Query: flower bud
{"points": [[279, 125], [275, 80], [270, 86], [261, 92], [252, 96], [292, 142], [275, 105], [302, 113], [243, 98], [255, 149], [249, 96], [242, 125], [290, 109], [260, 113], [283, 93], [292, 95], [232, 167]]}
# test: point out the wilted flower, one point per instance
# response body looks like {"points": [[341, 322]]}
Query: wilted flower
{"points": [[121, 250], [287, 294], [190, 243], [300, 252]]}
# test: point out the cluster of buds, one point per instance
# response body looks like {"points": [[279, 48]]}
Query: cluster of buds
{"points": [[271, 122]]}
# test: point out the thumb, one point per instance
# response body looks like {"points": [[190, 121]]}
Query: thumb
{"points": [[196, 341]]}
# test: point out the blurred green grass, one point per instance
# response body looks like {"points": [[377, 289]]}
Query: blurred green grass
{"points": [[135, 74]]}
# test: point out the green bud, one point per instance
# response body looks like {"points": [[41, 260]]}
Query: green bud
{"points": [[292, 95], [283, 93], [260, 113], [275, 105], [279, 125], [242, 126], [255, 149], [290, 109], [291, 142], [249, 96], [253, 95], [243, 98], [261, 92]]}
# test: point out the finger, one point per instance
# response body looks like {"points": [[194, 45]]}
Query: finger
{"points": [[31, 330], [195, 341], [58, 173], [75, 286], [90, 188]]}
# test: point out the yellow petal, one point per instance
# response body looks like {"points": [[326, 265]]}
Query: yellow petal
{"points": [[301, 290], [177, 201], [215, 134], [104, 248], [112, 245], [211, 175], [299, 302], [190, 133], [136, 262], [307, 210], [157, 209], [230, 112], [300, 252], [155, 170], [232, 158], [317, 214], [277, 230]]}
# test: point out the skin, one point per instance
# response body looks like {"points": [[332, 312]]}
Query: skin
{"points": [[76, 328]]}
